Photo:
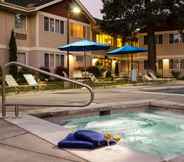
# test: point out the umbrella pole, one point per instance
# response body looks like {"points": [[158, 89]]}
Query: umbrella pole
{"points": [[85, 62], [132, 61]]}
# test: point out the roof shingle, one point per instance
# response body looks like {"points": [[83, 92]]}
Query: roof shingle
{"points": [[29, 3]]}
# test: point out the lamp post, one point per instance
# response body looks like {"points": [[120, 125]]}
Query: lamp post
{"points": [[74, 10]]}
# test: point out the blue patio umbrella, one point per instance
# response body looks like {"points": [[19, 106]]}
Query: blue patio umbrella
{"points": [[127, 49], [83, 46]]}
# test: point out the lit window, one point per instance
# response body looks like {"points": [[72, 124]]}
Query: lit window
{"points": [[46, 24], [77, 30], [119, 42], [104, 39]]}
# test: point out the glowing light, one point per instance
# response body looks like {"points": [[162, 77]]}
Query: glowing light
{"points": [[76, 10]]}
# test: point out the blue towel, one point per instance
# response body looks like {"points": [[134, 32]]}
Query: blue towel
{"points": [[72, 142], [84, 139], [91, 136]]}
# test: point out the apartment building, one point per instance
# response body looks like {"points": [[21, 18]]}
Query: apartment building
{"points": [[40, 26], [170, 50]]}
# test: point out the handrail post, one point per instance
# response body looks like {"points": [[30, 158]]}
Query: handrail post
{"points": [[3, 92]]}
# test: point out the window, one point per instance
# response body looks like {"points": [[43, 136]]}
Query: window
{"points": [[79, 58], [160, 64], [88, 32], [176, 38], [21, 57], [46, 60], [119, 42], [59, 60], [62, 58], [158, 39], [20, 21], [52, 25], [146, 65], [171, 38], [62, 27], [171, 64], [145, 40], [57, 28], [77, 30], [46, 24], [182, 64], [51, 60], [104, 39]]}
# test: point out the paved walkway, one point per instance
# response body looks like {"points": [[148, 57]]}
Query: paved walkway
{"points": [[17, 145], [107, 95]]}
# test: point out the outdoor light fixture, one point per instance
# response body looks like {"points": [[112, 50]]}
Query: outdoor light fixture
{"points": [[76, 10]]}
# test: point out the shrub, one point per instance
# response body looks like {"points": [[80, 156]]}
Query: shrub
{"points": [[44, 77], [60, 70], [176, 74], [95, 71], [159, 75], [21, 72], [108, 74]]}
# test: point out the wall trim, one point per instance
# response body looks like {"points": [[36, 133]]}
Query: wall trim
{"points": [[2, 46], [61, 18], [37, 30]]}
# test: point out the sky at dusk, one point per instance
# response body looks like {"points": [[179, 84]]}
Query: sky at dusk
{"points": [[94, 7]]}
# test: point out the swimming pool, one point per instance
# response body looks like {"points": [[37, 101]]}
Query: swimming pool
{"points": [[157, 133]]}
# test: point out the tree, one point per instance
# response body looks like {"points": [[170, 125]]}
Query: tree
{"points": [[116, 71], [125, 16], [13, 54]]}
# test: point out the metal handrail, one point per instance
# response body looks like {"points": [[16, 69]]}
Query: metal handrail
{"points": [[4, 71]]}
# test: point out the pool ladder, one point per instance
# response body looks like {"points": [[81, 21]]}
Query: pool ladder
{"points": [[17, 106]]}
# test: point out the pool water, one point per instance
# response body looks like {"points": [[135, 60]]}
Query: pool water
{"points": [[156, 133]]}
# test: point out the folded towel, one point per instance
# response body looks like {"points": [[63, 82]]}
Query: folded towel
{"points": [[72, 142]]}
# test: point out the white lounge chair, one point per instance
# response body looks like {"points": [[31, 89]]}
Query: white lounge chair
{"points": [[147, 78], [11, 82], [153, 76], [31, 80]]}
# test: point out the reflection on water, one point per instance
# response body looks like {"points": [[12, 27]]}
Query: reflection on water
{"points": [[157, 133]]}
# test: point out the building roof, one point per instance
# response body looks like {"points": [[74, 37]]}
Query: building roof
{"points": [[29, 3], [36, 5]]}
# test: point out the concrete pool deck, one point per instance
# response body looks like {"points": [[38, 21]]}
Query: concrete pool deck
{"points": [[30, 139], [53, 133], [18, 145]]}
